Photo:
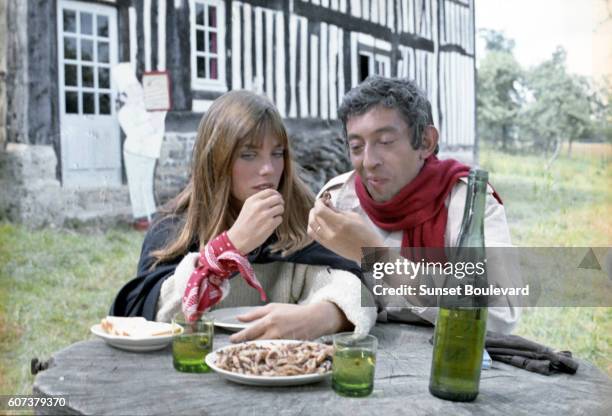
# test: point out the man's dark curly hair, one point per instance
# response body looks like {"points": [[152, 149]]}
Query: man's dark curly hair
{"points": [[401, 94]]}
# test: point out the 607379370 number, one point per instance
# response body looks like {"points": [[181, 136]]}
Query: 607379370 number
{"points": [[31, 402]]}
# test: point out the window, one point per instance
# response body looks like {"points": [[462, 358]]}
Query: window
{"points": [[369, 56], [365, 65], [370, 63], [85, 61], [208, 45], [383, 65]]}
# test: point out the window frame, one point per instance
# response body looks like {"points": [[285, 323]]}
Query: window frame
{"points": [[384, 62], [79, 63], [371, 69], [207, 84]]}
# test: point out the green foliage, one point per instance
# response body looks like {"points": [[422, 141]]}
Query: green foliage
{"points": [[496, 41], [537, 108], [560, 108], [498, 99], [603, 110]]}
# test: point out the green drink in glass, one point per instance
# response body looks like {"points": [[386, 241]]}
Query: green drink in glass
{"points": [[191, 345], [353, 365]]}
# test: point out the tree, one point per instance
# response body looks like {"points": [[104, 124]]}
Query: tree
{"points": [[602, 111], [497, 41], [498, 84], [559, 105], [538, 108]]}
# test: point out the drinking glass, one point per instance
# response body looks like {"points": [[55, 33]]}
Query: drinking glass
{"points": [[191, 344], [353, 364]]}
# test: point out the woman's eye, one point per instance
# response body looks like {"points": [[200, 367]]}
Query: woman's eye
{"points": [[386, 142], [279, 154], [355, 148], [247, 155]]}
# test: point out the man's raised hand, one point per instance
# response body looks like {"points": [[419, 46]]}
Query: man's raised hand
{"points": [[343, 232]]}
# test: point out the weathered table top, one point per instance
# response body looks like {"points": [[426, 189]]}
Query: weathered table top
{"points": [[99, 379]]}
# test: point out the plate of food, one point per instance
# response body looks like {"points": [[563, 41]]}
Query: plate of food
{"points": [[273, 362], [134, 333], [226, 318]]}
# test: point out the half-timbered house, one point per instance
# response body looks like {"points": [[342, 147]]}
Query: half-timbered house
{"points": [[303, 54]]}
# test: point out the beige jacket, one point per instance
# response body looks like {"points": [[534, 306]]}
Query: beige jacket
{"points": [[283, 282], [497, 234]]}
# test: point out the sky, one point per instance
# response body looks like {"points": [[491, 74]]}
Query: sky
{"points": [[538, 26]]}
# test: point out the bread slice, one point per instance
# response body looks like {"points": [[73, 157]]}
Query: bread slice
{"points": [[137, 327]]}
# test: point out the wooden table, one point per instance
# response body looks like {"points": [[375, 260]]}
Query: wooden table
{"points": [[99, 379]]}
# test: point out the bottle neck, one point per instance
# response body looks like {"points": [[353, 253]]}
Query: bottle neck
{"points": [[472, 226], [470, 246]]}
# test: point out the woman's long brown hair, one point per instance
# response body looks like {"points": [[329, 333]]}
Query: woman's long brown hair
{"points": [[234, 119]]}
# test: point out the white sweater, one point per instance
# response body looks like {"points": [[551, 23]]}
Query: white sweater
{"points": [[283, 282]]}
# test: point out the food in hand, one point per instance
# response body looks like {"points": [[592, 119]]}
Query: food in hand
{"points": [[327, 200], [276, 360]]}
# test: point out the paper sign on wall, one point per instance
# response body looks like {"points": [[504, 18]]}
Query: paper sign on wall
{"points": [[156, 86]]}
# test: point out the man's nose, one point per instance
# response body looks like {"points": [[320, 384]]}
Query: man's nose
{"points": [[371, 158]]}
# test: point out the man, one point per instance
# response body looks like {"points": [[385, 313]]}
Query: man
{"points": [[399, 194]]}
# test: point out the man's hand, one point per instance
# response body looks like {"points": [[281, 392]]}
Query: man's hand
{"points": [[261, 213], [288, 321], [343, 232]]}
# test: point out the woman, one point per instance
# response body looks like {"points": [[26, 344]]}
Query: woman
{"points": [[245, 207]]}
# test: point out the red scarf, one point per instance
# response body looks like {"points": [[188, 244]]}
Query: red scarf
{"points": [[419, 208], [209, 282]]}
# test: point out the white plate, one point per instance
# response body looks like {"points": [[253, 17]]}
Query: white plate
{"points": [[264, 381], [226, 318], [139, 344]]}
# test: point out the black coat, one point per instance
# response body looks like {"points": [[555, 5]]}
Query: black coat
{"points": [[138, 297]]}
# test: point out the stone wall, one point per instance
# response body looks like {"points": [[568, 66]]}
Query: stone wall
{"points": [[27, 180], [31, 195], [319, 149], [173, 165]]}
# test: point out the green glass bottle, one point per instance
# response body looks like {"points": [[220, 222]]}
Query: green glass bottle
{"points": [[461, 324]]}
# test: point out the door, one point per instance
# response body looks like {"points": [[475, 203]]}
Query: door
{"points": [[89, 129]]}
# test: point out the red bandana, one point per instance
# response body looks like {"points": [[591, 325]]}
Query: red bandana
{"points": [[419, 208], [209, 282]]}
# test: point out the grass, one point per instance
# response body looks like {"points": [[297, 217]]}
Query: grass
{"points": [[54, 283], [568, 205]]}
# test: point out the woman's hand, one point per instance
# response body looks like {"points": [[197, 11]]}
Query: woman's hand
{"points": [[288, 321], [261, 213]]}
